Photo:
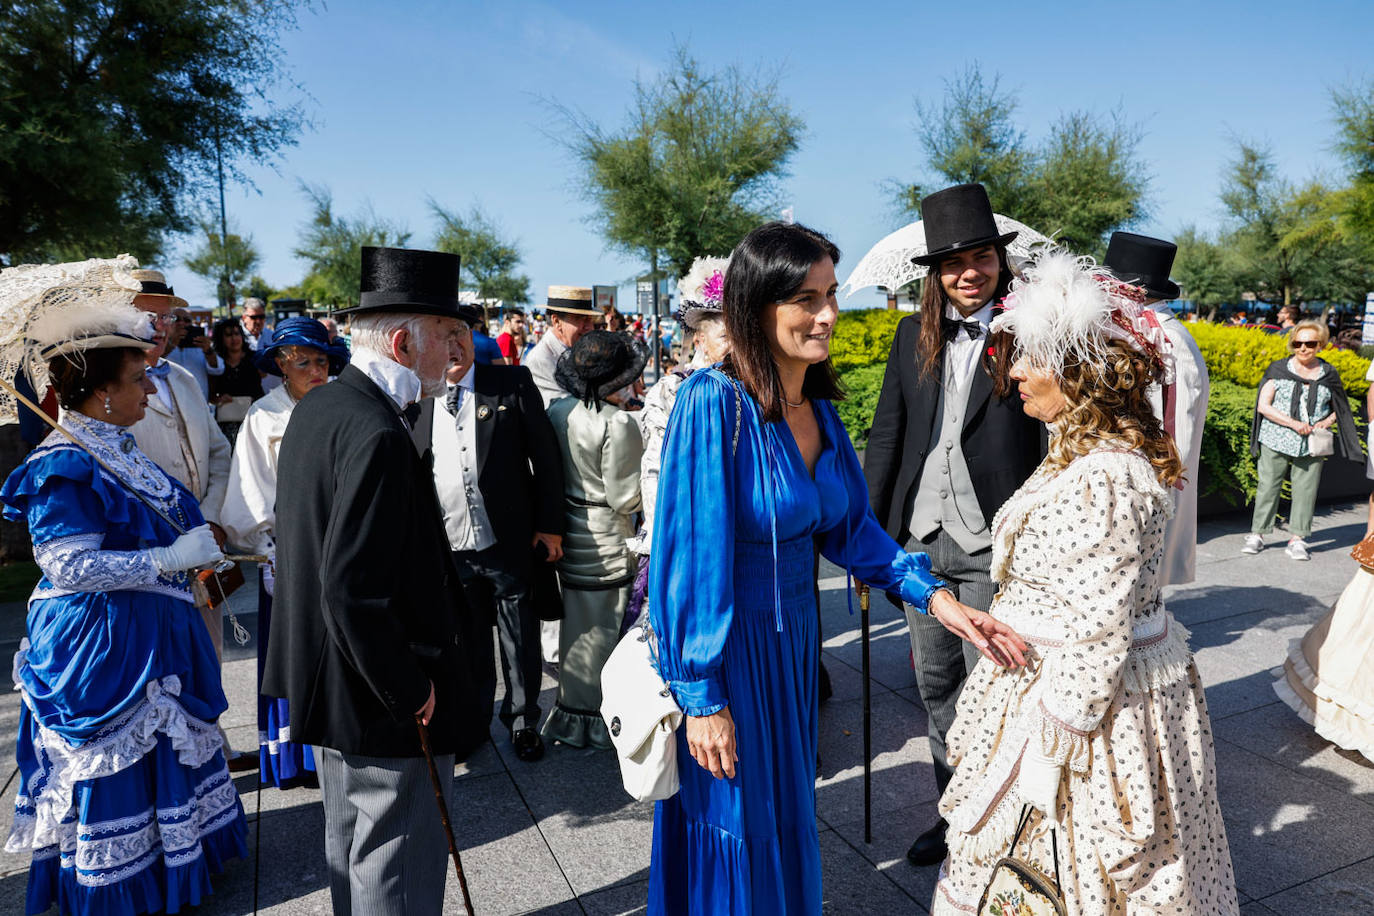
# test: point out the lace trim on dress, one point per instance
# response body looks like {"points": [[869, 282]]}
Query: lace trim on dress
{"points": [[77, 564], [115, 446], [115, 748]]}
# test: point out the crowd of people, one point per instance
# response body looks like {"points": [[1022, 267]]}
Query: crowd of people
{"points": [[1029, 488]]}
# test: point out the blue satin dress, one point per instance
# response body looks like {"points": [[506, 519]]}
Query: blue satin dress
{"points": [[124, 800], [731, 598]]}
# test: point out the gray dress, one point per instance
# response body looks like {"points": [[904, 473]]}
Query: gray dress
{"points": [[601, 454]]}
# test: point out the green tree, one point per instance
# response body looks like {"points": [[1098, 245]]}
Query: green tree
{"points": [[488, 260], [258, 288], [332, 245], [1207, 271], [223, 260], [1283, 234], [971, 136], [1354, 113], [696, 165], [1084, 181], [115, 113]]}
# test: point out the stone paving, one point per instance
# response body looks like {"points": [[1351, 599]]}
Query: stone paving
{"points": [[561, 837]]}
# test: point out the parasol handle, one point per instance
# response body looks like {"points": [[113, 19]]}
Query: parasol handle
{"points": [[864, 605]]}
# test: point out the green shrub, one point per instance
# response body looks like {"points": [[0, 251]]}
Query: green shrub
{"points": [[1226, 460], [862, 387], [863, 337], [1241, 355]]}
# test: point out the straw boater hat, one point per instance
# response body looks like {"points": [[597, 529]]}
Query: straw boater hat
{"points": [[572, 300], [153, 285]]}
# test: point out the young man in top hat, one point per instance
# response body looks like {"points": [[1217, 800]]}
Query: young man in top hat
{"points": [[1146, 262], [499, 474], [949, 444], [572, 312], [366, 632]]}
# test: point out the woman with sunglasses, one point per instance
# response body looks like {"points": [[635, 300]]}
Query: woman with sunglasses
{"points": [[1298, 395], [303, 356]]}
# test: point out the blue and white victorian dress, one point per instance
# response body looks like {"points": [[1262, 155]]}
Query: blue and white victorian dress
{"points": [[124, 797]]}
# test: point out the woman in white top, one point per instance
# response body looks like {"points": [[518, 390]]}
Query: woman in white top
{"points": [[303, 356]]}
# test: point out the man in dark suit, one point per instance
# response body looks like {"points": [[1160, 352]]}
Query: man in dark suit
{"points": [[949, 444], [365, 634], [499, 476]]}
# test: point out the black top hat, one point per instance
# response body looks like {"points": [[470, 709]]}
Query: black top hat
{"points": [[1144, 262], [958, 219], [408, 281], [600, 364]]}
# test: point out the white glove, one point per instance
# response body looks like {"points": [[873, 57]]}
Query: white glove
{"points": [[268, 571], [1038, 783], [196, 547]]}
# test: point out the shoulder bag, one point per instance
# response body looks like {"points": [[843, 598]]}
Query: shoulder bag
{"points": [[638, 705], [1018, 888], [1321, 442], [1363, 553]]}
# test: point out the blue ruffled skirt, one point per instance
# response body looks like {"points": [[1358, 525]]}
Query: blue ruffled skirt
{"points": [[749, 844], [281, 762]]}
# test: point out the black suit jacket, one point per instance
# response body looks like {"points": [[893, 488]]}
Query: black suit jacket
{"points": [[367, 597], [519, 466], [1001, 445]]}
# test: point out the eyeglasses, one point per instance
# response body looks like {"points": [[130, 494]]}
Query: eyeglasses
{"points": [[254, 317], [1304, 344]]}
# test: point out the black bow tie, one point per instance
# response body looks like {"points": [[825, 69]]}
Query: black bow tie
{"points": [[950, 328]]}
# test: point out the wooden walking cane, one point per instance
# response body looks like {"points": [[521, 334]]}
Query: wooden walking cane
{"points": [[868, 716], [443, 813]]}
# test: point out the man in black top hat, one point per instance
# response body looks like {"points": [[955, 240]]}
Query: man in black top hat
{"points": [[949, 444], [365, 634], [1182, 406]]}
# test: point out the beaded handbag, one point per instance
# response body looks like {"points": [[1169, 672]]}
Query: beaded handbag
{"points": [[1363, 553], [1018, 888]]}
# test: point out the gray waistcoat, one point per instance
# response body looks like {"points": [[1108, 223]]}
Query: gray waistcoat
{"points": [[945, 497]]}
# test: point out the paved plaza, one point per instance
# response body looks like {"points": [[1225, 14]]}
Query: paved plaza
{"points": [[561, 837]]}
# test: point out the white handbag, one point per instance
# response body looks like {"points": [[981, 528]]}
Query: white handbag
{"points": [[642, 717], [1321, 442]]}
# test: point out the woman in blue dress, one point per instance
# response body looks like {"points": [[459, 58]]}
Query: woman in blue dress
{"points": [[124, 798], [757, 468]]}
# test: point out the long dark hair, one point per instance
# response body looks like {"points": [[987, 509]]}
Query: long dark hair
{"points": [[996, 360], [769, 266], [217, 337]]}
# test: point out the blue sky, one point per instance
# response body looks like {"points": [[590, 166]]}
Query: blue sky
{"points": [[412, 100]]}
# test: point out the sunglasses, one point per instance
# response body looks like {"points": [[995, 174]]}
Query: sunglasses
{"points": [[1304, 344]]}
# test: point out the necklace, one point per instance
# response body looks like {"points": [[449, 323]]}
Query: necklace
{"points": [[790, 404]]}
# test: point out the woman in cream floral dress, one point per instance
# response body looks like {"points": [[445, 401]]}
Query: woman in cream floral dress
{"points": [[1105, 731]]}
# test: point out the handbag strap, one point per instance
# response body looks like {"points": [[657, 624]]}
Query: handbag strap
{"points": [[1054, 843], [739, 408]]}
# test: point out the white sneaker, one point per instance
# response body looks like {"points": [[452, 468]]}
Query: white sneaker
{"points": [[1297, 550], [1254, 543]]}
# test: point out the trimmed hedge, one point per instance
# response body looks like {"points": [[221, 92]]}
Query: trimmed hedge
{"points": [[1236, 359]]}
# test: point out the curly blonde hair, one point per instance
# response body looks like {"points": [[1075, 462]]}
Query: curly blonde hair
{"points": [[1108, 402]]}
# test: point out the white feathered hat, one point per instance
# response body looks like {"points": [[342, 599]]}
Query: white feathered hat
{"points": [[701, 291], [1066, 309]]}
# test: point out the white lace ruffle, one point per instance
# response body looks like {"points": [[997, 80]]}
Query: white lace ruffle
{"points": [[116, 748], [77, 564]]}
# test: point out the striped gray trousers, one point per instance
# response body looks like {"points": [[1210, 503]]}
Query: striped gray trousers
{"points": [[383, 839]]}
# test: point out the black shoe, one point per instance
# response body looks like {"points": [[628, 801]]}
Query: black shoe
{"points": [[929, 848], [825, 690], [242, 763], [529, 747]]}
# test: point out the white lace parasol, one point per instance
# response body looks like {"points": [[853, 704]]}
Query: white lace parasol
{"points": [[888, 264], [42, 305]]}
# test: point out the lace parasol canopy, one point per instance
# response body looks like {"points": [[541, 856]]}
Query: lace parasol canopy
{"points": [[888, 264], [43, 305]]}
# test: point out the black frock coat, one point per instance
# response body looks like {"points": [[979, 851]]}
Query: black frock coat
{"points": [[1002, 445], [367, 598]]}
